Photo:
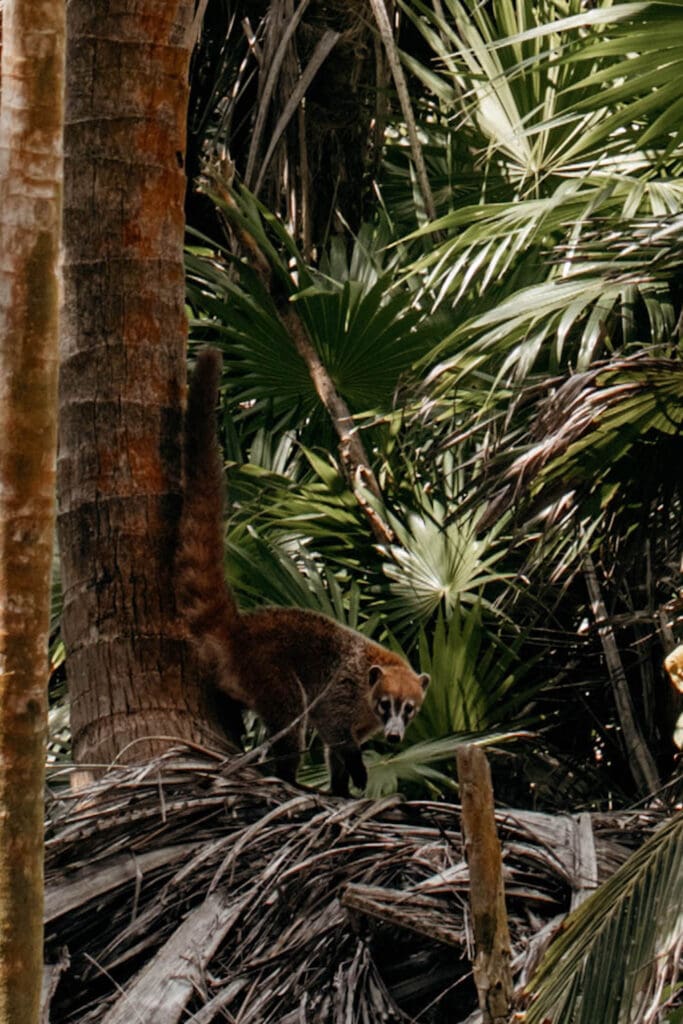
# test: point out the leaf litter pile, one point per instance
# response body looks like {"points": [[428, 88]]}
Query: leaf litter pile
{"points": [[194, 889]]}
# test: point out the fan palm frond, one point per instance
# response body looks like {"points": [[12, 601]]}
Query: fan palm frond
{"points": [[367, 332], [590, 423], [477, 679], [559, 128], [439, 562], [284, 571]]}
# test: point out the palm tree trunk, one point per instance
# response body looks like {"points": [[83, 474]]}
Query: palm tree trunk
{"points": [[122, 386], [31, 109]]}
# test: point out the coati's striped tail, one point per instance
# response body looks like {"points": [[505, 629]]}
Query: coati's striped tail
{"points": [[204, 596]]}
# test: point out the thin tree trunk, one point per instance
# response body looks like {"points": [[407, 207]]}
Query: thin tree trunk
{"points": [[640, 759], [122, 383], [31, 110]]}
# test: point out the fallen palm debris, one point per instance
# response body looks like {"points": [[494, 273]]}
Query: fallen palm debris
{"points": [[194, 889]]}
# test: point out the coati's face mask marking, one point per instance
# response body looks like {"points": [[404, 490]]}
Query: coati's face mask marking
{"points": [[396, 701]]}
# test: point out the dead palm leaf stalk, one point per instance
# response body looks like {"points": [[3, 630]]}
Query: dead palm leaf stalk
{"points": [[195, 889]]}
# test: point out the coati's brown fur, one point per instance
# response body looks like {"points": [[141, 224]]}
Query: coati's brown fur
{"points": [[290, 665]]}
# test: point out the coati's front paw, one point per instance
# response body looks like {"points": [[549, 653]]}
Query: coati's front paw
{"points": [[346, 761], [356, 768], [359, 774]]}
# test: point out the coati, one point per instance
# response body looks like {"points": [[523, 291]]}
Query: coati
{"points": [[290, 665]]}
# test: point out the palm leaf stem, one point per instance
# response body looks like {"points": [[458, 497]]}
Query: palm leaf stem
{"points": [[322, 51], [384, 25], [351, 448], [639, 757], [269, 87], [354, 458]]}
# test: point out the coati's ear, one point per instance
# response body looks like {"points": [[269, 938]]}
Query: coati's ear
{"points": [[376, 673], [424, 681]]}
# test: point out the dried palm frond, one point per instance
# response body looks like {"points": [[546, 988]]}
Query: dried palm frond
{"points": [[587, 424], [194, 889]]}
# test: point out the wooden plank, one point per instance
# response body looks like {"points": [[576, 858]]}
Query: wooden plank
{"points": [[160, 992], [74, 889], [585, 860]]}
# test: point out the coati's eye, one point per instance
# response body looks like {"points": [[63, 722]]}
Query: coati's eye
{"points": [[408, 709], [384, 705]]}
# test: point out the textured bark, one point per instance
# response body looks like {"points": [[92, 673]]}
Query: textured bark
{"points": [[492, 974], [129, 666], [31, 111]]}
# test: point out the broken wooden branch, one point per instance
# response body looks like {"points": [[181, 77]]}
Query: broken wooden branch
{"points": [[160, 992], [168, 949], [492, 974], [412, 911]]}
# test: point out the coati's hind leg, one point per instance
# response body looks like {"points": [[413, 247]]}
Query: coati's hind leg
{"points": [[346, 761], [285, 754], [285, 720], [228, 714]]}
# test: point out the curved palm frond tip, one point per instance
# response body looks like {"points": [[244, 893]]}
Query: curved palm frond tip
{"points": [[619, 949]]}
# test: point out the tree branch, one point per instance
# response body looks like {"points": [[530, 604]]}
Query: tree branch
{"points": [[354, 458], [640, 759]]}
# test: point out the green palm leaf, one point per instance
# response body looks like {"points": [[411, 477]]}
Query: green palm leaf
{"points": [[367, 333], [593, 421], [438, 563], [285, 572], [476, 678], [613, 949], [423, 763], [559, 123]]}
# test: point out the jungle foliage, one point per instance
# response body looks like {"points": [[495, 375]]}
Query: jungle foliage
{"points": [[484, 250], [512, 366]]}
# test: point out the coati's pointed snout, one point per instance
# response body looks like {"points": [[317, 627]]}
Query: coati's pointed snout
{"points": [[396, 698], [395, 723]]}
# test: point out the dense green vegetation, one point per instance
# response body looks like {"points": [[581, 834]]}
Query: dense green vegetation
{"points": [[513, 368], [497, 297]]}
